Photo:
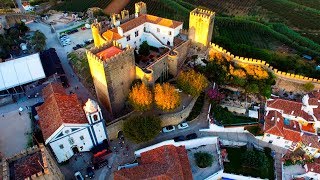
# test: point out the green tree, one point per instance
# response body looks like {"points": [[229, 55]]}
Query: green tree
{"points": [[142, 129], [38, 41], [144, 48], [308, 86], [203, 159], [22, 28]]}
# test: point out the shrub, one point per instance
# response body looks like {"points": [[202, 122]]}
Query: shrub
{"points": [[166, 97], [140, 97], [141, 129], [203, 159]]}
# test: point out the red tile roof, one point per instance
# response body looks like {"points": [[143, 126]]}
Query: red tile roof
{"points": [[315, 166], [52, 88], [313, 101], [310, 140], [289, 107], [143, 18], [309, 128], [26, 166], [57, 109], [165, 162], [278, 128], [109, 52]]}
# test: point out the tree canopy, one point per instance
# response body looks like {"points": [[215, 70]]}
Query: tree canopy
{"points": [[144, 48], [140, 97], [142, 129], [192, 82], [166, 97], [38, 41], [203, 159]]}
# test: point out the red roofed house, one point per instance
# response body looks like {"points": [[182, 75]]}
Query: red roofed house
{"points": [[68, 127], [292, 124], [165, 162]]}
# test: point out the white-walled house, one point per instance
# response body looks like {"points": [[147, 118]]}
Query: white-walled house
{"points": [[157, 31], [68, 127]]}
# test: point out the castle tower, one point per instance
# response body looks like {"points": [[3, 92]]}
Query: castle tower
{"points": [[201, 24], [115, 19], [96, 28], [124, 14], [93, 111], [95, 119], [113, 70], [140, 8]]}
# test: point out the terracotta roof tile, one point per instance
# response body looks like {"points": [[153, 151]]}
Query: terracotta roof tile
{"points": [[310, 140], [26, 166], [109, 52], [52, 88], [313, 101], [309, 128], [165, 162], [290, 108], [57, 109], [111, 35], [143, 18], [315, 166]]}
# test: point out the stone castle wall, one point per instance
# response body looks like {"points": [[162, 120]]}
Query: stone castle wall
{"points": [[166, 119], [50, 169], [120, 72], [283, 75]]}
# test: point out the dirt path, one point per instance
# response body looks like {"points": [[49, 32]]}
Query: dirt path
{"points": [[116, 6]]}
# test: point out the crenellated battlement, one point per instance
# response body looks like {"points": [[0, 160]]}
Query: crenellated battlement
{"points": [[94, 50], [203, 13], [279, 74]]}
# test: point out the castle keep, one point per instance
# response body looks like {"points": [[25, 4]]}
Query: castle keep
{"points": [[115, 61]]}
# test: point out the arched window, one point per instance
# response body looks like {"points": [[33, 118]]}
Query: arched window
{"points": [[95, 117]]}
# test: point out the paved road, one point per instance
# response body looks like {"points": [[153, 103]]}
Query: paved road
{"points": [[52, 42]]}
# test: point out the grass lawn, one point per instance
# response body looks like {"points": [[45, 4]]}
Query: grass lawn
{"points": [[236, 164], [226, 117]]}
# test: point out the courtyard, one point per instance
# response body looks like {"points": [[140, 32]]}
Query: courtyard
{"points": [[14, 123], [203, 173]]}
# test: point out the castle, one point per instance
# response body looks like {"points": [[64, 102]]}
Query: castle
{"points": [[115, 62]]}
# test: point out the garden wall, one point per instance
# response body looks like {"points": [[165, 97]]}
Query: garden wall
{"points": [[178, 117], [114, 127], [283, 75]]}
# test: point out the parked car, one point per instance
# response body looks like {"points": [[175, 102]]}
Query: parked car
{"points": [[168, 129], [78, 176], [179, 138], [183, 125], [75, 48], [90, 172], [191, 136]]}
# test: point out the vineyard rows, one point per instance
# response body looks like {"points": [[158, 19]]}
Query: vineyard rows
{"points": [[81, 6]]}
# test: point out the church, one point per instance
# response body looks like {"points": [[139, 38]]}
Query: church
{"points": [[66, 125]]}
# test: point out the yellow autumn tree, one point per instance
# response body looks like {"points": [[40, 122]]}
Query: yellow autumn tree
{"points": [[140, 97], [192, 82], [256, 72], [166, 97]]}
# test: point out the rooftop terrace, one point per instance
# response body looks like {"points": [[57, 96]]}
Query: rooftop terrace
{"points": [[109, 52]]}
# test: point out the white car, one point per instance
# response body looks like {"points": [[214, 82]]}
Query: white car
{"points": [[168, 129], [183, 125], [78, 176]]}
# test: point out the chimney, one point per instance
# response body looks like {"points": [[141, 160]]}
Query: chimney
{"points": [[120, 31]]}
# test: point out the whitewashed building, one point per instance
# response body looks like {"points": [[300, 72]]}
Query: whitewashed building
{"points": [[68, 127]]}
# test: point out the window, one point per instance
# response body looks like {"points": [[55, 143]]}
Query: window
{"points": [[136, 34], [71, 141], [278, 137], [170, 33], [81, 138], [61, 146], [67, 131], [95, 117], [128, 38], [158, 30], [268, 135]]}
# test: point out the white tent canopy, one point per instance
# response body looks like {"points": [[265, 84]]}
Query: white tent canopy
{"points": [[20, 71]]}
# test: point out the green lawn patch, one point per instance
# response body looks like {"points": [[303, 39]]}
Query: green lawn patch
{"points": [[227, 118], [249, 163]]}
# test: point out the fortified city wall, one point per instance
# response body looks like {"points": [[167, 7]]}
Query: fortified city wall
{"points": [[279, 74]]}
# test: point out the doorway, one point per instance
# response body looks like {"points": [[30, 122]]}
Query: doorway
{"points": [[75, 150]]}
